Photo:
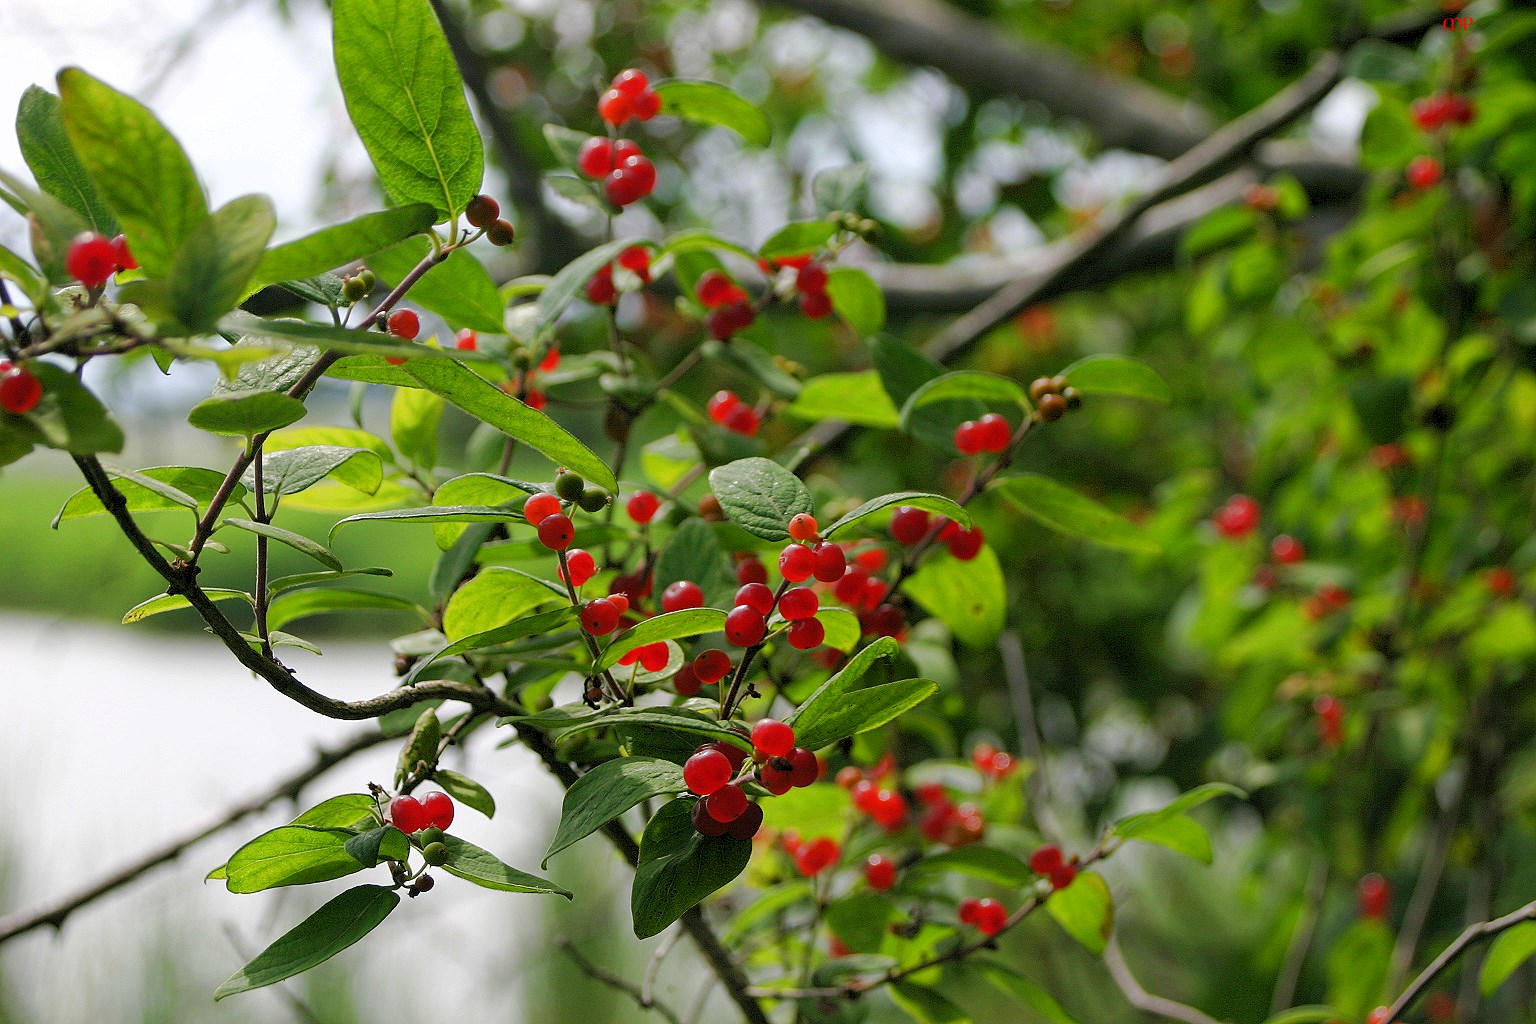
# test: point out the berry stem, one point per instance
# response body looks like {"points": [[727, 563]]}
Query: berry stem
{"points": [[729, 703], [614, 689]]}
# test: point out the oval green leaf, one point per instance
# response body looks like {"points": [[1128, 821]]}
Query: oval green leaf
{"points": [[326, 932], [760, 496], [469, 862], [210, 270], [609, 790], [712, 103], [1066, 511], [1117, 375]]}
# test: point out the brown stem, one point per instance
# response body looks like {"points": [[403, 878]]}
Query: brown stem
{"points": [[1474, 934], [607, 977], [1143, 1000]]}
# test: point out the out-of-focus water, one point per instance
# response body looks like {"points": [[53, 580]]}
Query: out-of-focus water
{"points": [[115, 740]]}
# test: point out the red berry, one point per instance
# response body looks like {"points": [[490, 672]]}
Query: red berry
{"points": [[807, 634], [850, 589], [539, 507], [743, 420], [811, 279], [438, 808], [714, 290], [91, 259], [1238, 517], [1460, 109], [750, 820], [682, 595], [816, 305], [803, 526], [556, 532], [720, 405], [909, 525], [796, 563], [726, 803], [686, 682], [613, 107], [987, 916], [467, 340], [654, 657], [806, 765], [642, 506], [712, 665], [582, 565], [637, 260], [968, 910], [995, 432], [730, 319], [641, 170], [407, 814], [20, 391], [777, 775], [880, 872], [756, 596], [595, 158], [1046, 859], [125, 260], [536, 400], [600, 617], [704, 823], [600, 289], [966, 544], [831, 562], [751, 570], [646, 105], [1063, 876], [773, 738], [1423, 172], [1430, 112], [1501, 581], [630, 82], [550, 361], [619, 599], [817, 855], [969, 438], [1374, 894], [799, 603], [404, 323], [706, 771], [630, 182], [1287, 550], [745, 626]]}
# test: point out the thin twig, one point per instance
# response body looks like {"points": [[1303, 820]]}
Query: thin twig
{"points": [[1143, 1000], [1016, 675], [607, 977], [1474, 934], [1301, 938], [653, 969]]}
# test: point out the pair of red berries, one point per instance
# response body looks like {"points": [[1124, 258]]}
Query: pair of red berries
{"points": [[991, 433], [950, 824], [409, 815], [601, 291], [811, 282], [483, 211], [20, 390], [93, 258], [629, 95], [910, 525], [886, 807], [651, 657], [627, 175], [556, 531], [1431, 113], [601, 616], [730, 309], [1330, 598], [1050, 862], [991, 762], [987, 916], [728, 410], [1238, 517]]}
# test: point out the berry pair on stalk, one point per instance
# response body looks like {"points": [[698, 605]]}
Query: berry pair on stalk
{"points": [[730, 308], [910, 525], [627, 175], [728, 410], [93, 258]]}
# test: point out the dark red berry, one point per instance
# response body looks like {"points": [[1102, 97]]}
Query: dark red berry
{"points": [[720, 405], [1287, 550], [1052, 408], [806, 766], [796, 563], [501, 232], [817, 855], [1046, 859], [646, 105], [125, 260], [1423, 172], [714, 290], [831, 562], [726, 803], [682, 595], [811, 279], [995, 432], [438, 808], [879, 872], [407, 814], [750, 820], [712, 665], [1375, 897], [1063, 876], [799, 603], [744, 420], [909, 525], [404, 323], [730, 319], [706, 771], [482, 211], [91, 259], [968, 438], [613, 107], [637, 260], [807, 634], [751, 570], [20, 391], [966, 544], [686, 682], [987, 916], [704, 823], [467, 340], [756, 596], [642, 506], [777, 775], [654, 657], [600, 617], [773, 738], [816, 305], [556, 532], [745, 626], [600, 289], [1238, 517]]}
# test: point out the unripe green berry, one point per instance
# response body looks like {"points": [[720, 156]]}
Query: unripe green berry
{"points": [[434, 853], [430, 835], [369, 281], [352, 289], [570, 486], [593, 499]]}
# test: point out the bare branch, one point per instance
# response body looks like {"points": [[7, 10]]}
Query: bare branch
{"points": [[613, 980], [55, 912], [1301, 939], [1474, 934], [1143, 1000], [976, 55]]}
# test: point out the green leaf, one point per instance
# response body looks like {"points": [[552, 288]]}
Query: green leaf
{"points": [[985, 862], [1182, 834], [861, 711], [51, 158], [473, 864], [965, 384], [857, 398], [290, 855], [338, 811], [857, 299], [265, 364], [243, 413], [669, 626], [926, 1006], [609, 790], [1066, 511], [1220, 227], [679, 867], [466, 791], [840, 189], [842, 628], [406, 99], [495, 597], [383, 843], [1358, 963], [760, 496], [414, 416], [831, 692], [459, 289], [1511, 949], [343, 339], [572, 280], [485, 401], [435, 514], [693, 553], [1148, 825], [313, 548], [209, 272], [968, 597], [292, 470], [326, 932], [171, 602], [307, 579], [1023, 990], [565, 143], [917, 499], [1117, 375], [1085, 911], [675, 719], [798, 238], [298, 605], [333, 247], [190, 481], [421, 746], [139, 168], [712, 103], [533, 625]]}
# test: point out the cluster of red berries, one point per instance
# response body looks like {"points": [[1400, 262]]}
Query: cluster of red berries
{"points": [[1238, 517], [1053, 397], [1329, 598], [991, 433], [910, 525], [1374, 895], [1431, 113], [629, 95], [93, 258], [812, 856], [993, 763], [627, 175], [723, 807], [945, 822], [864, 592], [730, 309], [1330, 720], [728, 410], [484, 212], [601, 290], [20, 390], [885, 807], [811, 282], [805, 556], [1423, 172], [409, 815]]}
